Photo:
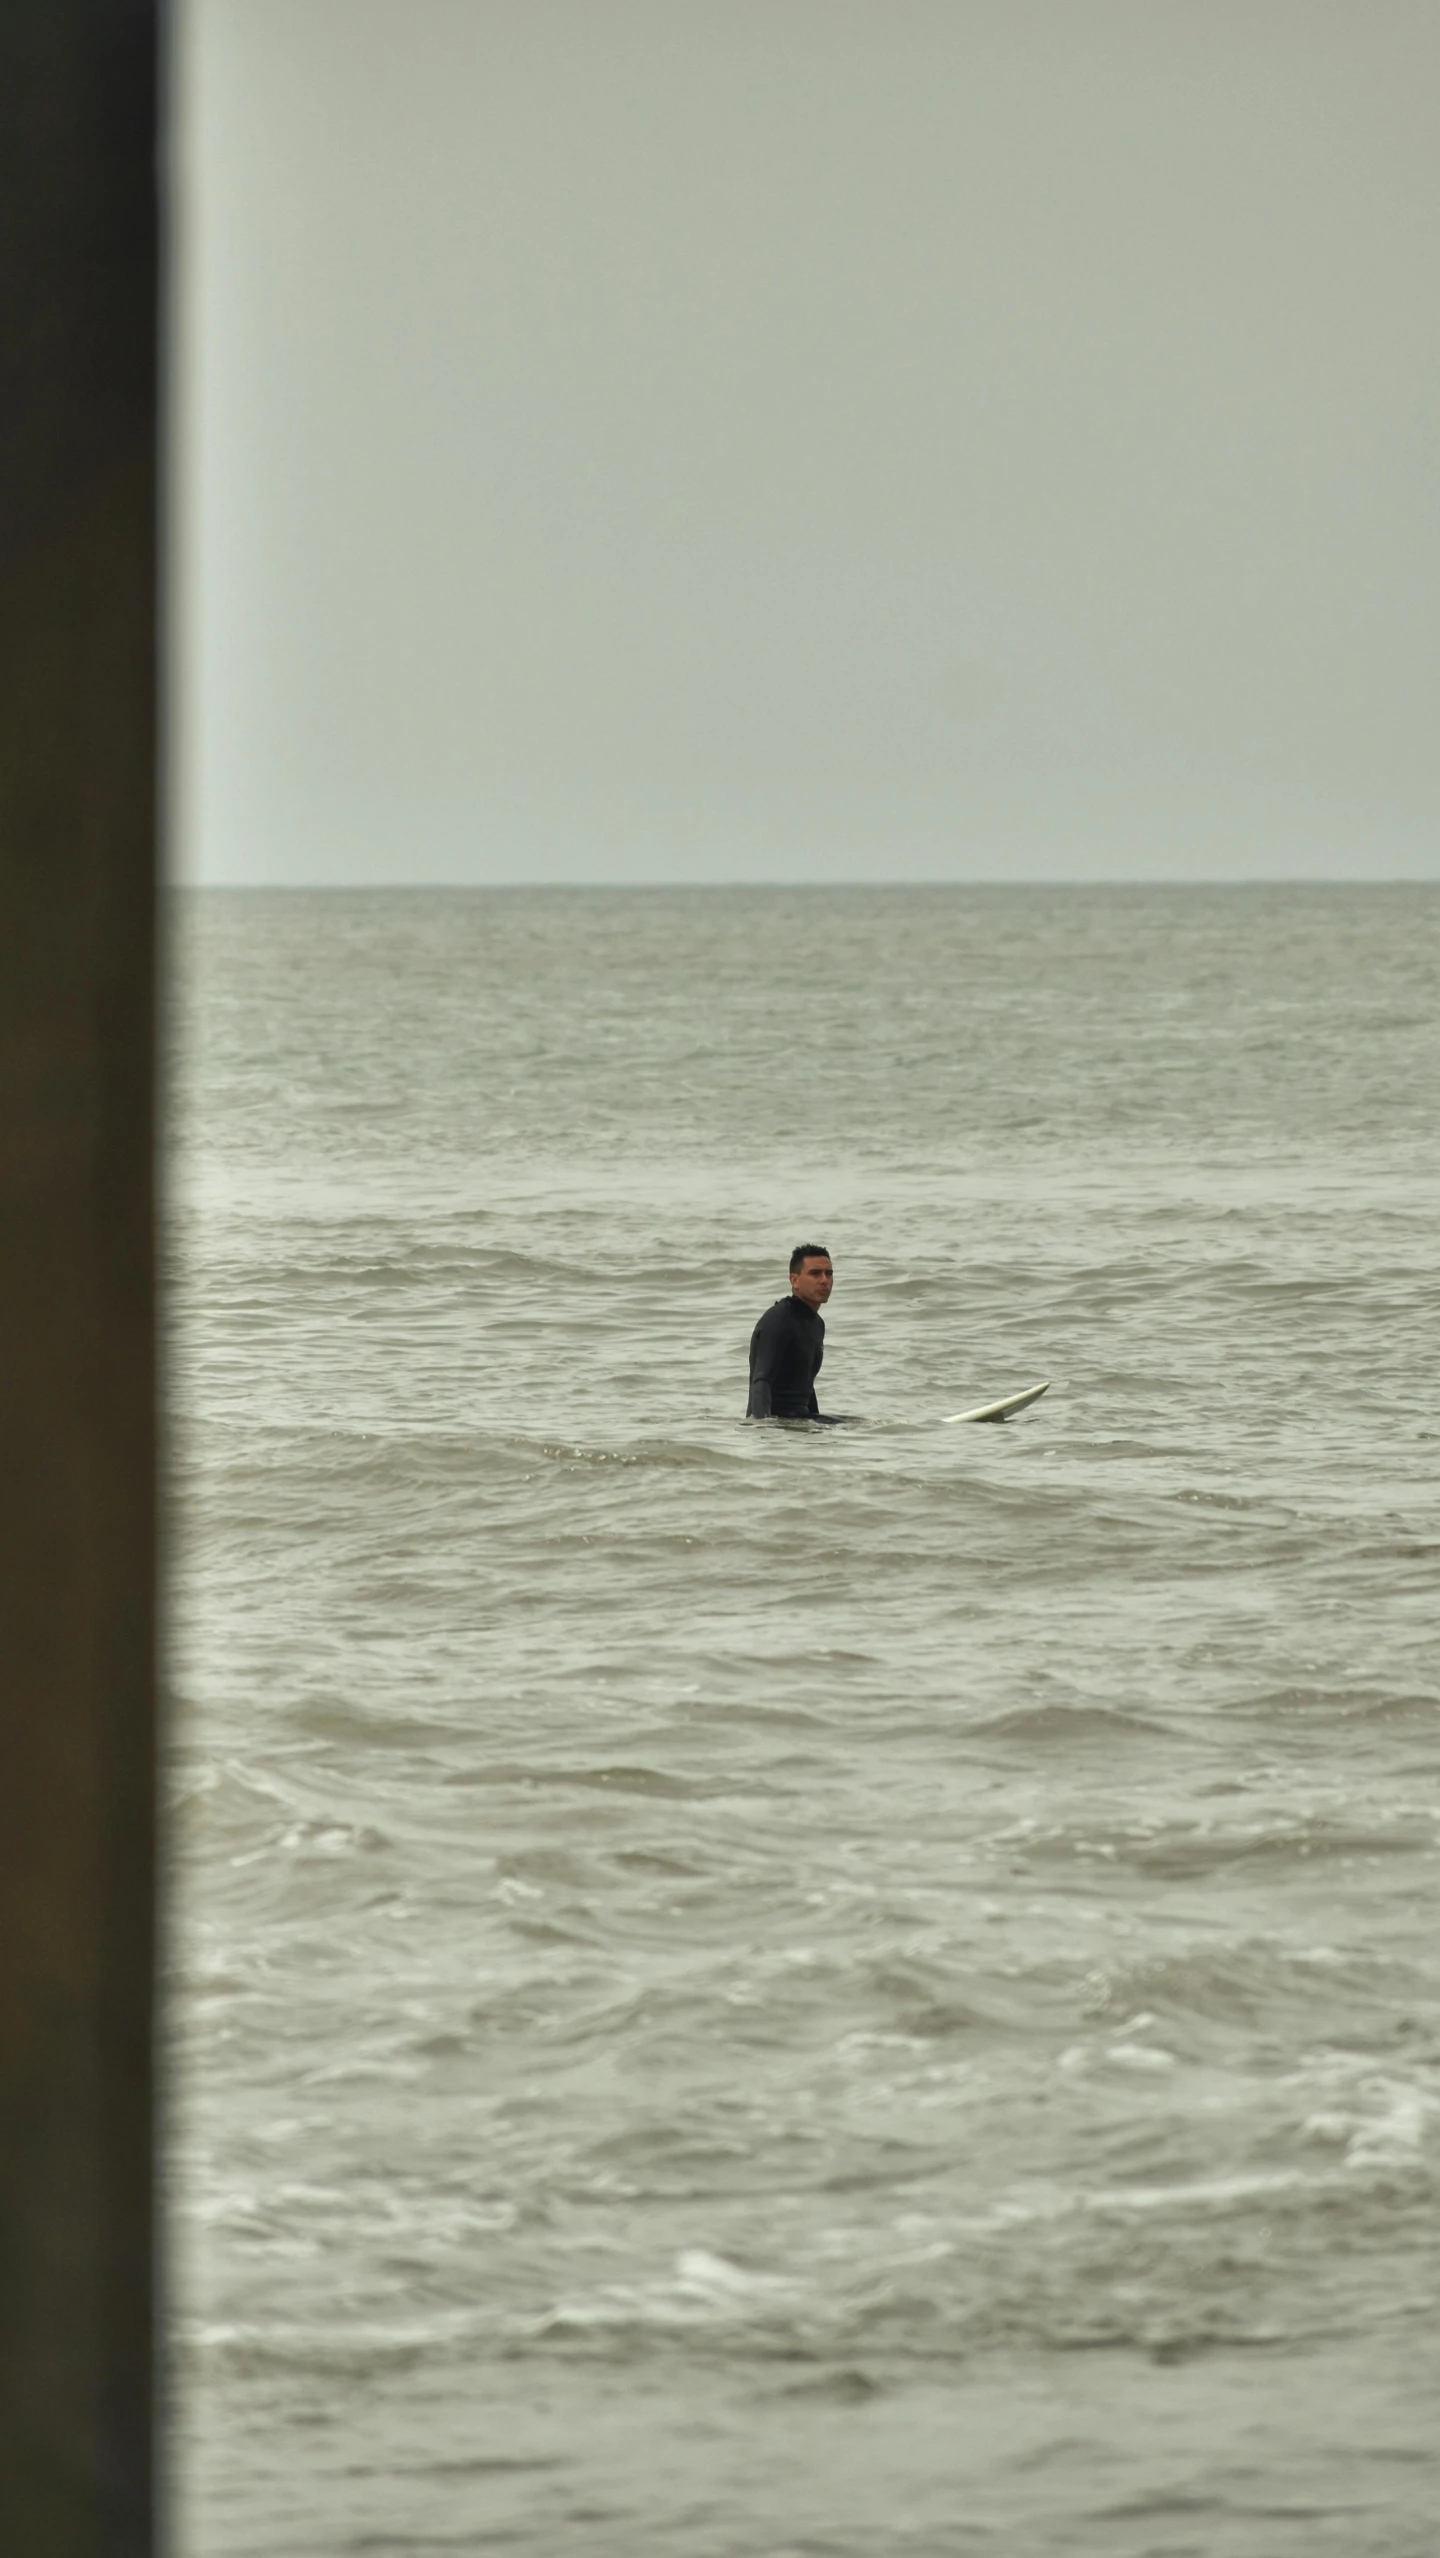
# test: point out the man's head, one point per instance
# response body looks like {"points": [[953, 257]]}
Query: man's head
{"points": [[811, 1277]]}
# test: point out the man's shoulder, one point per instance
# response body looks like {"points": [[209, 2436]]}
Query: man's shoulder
{"points": [[789, 1311]]}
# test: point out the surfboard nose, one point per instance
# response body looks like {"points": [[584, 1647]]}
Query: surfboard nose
{"points": [[1002, 1409]]}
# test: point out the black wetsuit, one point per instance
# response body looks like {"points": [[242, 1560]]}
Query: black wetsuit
{"points": [[786, 1348]]}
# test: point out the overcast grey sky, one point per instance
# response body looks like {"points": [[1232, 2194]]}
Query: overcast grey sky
{"points": [[808, 439]]}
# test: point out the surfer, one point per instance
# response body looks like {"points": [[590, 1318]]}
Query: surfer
{"points": [[788, 1343]]}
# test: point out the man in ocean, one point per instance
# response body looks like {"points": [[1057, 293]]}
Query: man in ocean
{"points": [[788, 1343]]}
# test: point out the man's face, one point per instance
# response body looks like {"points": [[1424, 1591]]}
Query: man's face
{"points": [[814, 1279]]}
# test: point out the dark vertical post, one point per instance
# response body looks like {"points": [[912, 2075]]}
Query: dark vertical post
{"points": [[78, 300]]}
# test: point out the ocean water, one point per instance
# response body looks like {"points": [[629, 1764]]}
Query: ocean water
{"points": [[751, 1991]]}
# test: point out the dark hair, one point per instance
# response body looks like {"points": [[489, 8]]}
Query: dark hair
{"points": [[804, 1252]]}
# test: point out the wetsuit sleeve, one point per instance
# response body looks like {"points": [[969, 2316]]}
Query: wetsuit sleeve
{"points": [[764, 1349]]}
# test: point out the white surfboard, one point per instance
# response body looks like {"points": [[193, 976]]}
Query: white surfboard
{"points": [[1002, 1410]]}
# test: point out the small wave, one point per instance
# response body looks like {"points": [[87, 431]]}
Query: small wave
{"points": [[1066, 1725]]}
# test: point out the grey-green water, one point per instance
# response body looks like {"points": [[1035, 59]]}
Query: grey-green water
{"points": [[744, 1992]]}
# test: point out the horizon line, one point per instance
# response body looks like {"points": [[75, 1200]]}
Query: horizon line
{"points": [[774, 887]]}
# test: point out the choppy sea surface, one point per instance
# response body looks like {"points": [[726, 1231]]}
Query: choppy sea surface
{"points": [[762, 1992]]}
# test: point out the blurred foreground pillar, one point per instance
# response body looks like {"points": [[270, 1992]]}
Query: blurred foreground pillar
{"points": [[77, 1514]]}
